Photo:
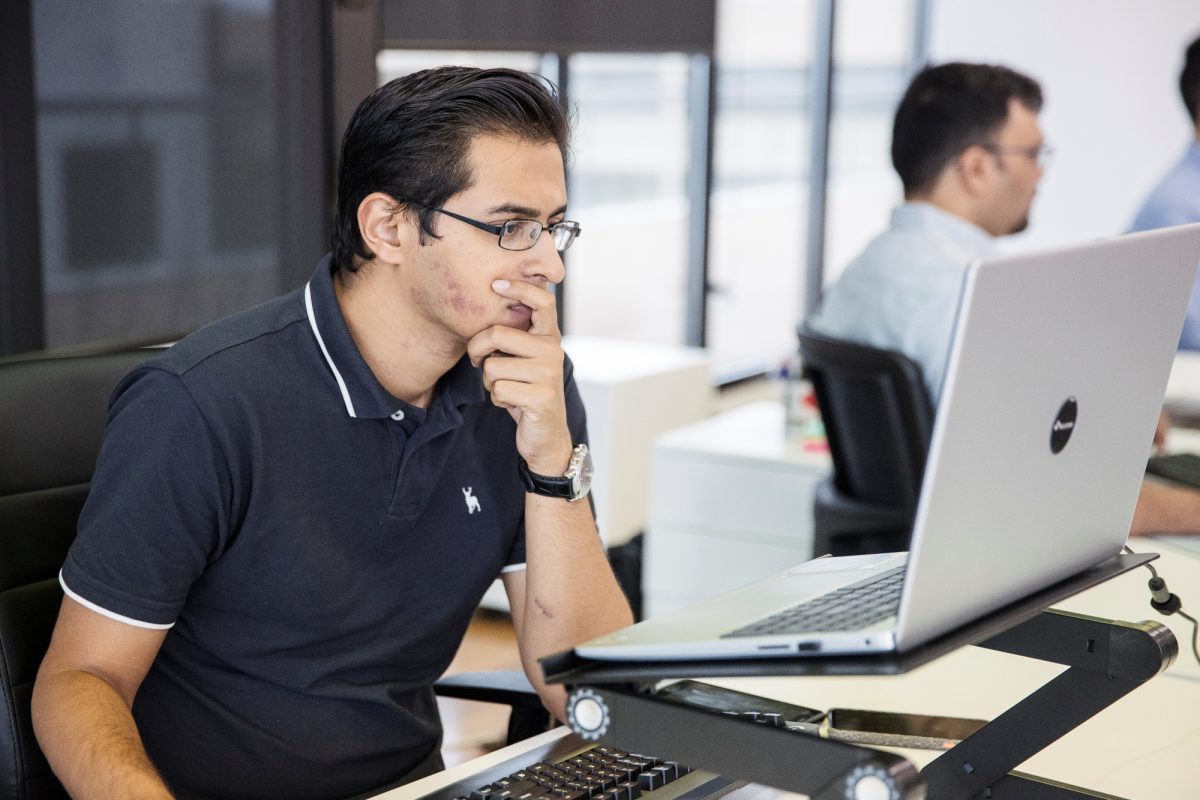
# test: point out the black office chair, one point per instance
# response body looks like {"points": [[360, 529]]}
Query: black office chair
{"points": [[878, 419], [52, 417]]}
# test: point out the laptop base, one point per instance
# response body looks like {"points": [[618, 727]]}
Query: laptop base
{"points": [[1105, 660]]}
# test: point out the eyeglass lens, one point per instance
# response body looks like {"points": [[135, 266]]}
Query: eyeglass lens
{"points": [[522, 234]]}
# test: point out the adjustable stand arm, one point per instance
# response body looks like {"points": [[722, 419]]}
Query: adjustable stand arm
{"points": [[1107, 659]]}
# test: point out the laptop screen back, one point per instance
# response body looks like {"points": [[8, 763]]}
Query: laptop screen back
{"points": [[1053, 388]]}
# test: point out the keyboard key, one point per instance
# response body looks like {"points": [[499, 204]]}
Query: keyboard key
{"points": [[668, 772], [630, 790], [570, 794], [650, 780]]}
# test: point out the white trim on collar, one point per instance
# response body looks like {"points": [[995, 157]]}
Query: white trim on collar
{"points": [[110, 614], [312, 321]]}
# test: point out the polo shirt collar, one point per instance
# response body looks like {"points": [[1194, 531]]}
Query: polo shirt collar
{"points": [[361, 392], [926, 216]]}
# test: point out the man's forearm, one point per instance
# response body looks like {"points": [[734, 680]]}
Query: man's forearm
{"points": [[90, 739], [571, 594]]}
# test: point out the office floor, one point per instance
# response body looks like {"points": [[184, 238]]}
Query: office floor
{"points": [[473, 729]]}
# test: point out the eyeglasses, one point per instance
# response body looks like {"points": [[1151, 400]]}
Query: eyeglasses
{"points": [[520, 234], [1041, 154]]}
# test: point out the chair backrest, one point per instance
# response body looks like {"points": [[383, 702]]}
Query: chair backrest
{"points": [[52, 417], [877, 415]]}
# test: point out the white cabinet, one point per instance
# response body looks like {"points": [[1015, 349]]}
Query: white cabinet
{"points": [[633, 391], [731, 502]]}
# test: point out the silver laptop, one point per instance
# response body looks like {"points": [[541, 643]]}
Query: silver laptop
{"points": [[1054, 384]]}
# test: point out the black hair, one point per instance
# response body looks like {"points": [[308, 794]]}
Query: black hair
{"points": [[411, 139], [1189, 81], [948, 108]]}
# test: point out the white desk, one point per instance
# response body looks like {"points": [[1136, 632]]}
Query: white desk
{"points": [[1146, 746], [731, 501]]}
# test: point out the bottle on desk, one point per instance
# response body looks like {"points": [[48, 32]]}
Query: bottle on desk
{"points": [[801, 416]]}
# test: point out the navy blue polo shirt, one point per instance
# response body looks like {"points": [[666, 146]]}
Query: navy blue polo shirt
{"points": [[314, 546]]}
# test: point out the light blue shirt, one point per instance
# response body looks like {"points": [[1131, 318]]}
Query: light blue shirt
{"points": [[1176, 201], [902, 292]]}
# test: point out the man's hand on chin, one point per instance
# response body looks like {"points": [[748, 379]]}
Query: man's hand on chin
{"points": [[523, 373]]}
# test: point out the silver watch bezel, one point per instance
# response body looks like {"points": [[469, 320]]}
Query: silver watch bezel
{"points": [[581, 479]]}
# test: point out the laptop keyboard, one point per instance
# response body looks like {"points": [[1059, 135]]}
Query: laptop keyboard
{"points": [[846, 609]]}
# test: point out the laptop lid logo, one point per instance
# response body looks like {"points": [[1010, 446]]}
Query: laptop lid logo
{"points": [[1064, 425]]}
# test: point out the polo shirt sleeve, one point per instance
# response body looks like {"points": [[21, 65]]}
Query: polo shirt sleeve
{"points": [[577, 423], [159, 508]]}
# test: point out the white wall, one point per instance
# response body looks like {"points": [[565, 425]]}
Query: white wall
{"points": [[1109, 71]]}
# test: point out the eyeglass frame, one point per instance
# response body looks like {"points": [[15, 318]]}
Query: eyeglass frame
{"points": [[1041, 154], [571, 226]]}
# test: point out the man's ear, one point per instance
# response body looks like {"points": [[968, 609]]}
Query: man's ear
{"points": [[382, 226], [976, 166]]}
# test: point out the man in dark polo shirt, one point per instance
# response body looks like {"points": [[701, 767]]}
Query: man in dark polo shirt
{"points": [[297, 508]]}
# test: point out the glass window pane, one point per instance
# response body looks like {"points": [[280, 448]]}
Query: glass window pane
{"points": [[759, 213], [627, 272], [873, 57], [157, 167]]}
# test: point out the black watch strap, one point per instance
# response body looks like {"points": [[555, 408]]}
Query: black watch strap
{"points": [[544, 485]]}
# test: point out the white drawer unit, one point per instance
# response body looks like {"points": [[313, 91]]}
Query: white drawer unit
{"points": [[731, 502]]}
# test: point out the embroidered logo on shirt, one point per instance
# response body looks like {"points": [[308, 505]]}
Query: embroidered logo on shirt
{"points": [[472, 500]]}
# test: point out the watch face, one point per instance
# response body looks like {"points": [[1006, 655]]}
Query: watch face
{"points": [[585, 472], [581, 483]]}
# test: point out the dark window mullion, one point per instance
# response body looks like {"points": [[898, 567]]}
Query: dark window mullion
{"points": [[22, 311]]}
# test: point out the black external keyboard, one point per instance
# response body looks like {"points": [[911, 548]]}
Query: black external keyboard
{"points": [[574, 769], [849, 608], [601, 772]]}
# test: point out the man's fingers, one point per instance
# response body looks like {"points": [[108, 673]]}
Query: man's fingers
{"points": [[527, 397], [544, 319], [525, 370], [503, 340]]}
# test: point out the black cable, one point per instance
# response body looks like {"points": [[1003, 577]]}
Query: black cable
{"points": [[1167, 603], [1195, 633]]}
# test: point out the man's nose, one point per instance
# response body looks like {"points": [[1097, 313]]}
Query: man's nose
{"points": [[544, 261]]}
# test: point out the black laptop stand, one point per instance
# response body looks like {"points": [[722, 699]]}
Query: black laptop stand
{"points": [[616, 703]]}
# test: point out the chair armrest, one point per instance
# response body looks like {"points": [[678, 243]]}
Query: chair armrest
{"points": [[507, 687]]}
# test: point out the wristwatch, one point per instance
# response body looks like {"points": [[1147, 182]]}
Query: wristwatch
{"points": [[574, 484]]}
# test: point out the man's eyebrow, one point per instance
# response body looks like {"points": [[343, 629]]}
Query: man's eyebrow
{"points": [[523, 211]]}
